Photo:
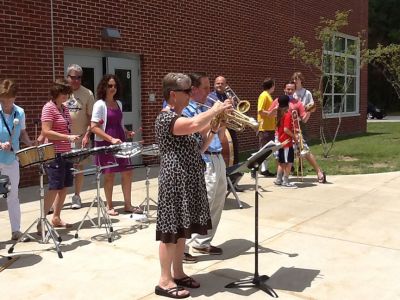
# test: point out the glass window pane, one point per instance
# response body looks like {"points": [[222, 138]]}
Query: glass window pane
{"points": [[351, 47], [340, 44], [337, 103], [124, 76], [338, 84], [339, 64], [351, 66], [351, 85], [327, 63], [350, 103], [88, 78], [327, 84], [328, 45], [327, 104]]}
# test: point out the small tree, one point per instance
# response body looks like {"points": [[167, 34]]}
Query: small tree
{"points": [[317, 62], [387, 60]]}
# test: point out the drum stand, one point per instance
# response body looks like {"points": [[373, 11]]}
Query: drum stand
{"points": [[101, 208], [42, 221], [146, 201]]}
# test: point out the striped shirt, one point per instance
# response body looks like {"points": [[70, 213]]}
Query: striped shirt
{"points": [[61, 122]]}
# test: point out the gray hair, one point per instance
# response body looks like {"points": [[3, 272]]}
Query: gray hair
{"points": [[74, 67], [175, 81]]}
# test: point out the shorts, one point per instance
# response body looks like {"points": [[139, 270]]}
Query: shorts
{"points": [[59, 174], [286, 155]]}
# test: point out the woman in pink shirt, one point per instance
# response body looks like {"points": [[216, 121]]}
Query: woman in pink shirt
{"points": [[56, 123]]}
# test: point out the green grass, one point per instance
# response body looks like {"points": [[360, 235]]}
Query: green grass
{"points": [[376, 151]]}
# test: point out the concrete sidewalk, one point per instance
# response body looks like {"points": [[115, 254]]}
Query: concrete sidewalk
{"points": [[333, 241]]}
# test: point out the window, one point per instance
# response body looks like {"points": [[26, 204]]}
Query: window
{"points": [[341, 76]]}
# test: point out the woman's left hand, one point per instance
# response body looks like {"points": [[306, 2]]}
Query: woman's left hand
{"points": [[130, 134], [6, 146]]}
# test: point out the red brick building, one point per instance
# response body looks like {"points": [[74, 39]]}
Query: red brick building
{"points": [[245, 41]]}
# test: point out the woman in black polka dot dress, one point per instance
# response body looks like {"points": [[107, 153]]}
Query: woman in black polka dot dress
{"points": [[182, 201]]}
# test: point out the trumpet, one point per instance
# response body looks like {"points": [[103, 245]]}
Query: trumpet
{"points": [[234, 119]]}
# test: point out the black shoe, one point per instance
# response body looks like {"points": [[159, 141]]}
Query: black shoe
{"points": [[211, 250], [267, 174], [253, 174], [239, 189], [189, 259]]}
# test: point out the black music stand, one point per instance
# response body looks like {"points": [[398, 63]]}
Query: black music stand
{"points": [[258, 281]]}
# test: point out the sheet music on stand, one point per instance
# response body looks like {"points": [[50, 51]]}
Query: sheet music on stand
{"points": [[258, 157]]}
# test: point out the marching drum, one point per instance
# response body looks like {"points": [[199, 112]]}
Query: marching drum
{"points": [[46, 152], [77, 155], [151, 150], [28, 156]]}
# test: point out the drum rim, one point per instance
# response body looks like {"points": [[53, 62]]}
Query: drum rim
{"points": [[26, 149], [44, 145]]}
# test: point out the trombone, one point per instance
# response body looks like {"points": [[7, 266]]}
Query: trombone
{"points": [[301, 151]]}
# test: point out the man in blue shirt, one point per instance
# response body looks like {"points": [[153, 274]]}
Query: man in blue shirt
{"points": [[215, 174], [219, 94]]}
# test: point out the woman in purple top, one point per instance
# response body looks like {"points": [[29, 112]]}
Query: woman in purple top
{"points": [[107, 125]]}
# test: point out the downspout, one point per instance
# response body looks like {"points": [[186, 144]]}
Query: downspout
{"points": [[52, 40]]}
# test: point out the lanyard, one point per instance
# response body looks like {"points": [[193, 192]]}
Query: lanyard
{"points": [[5, 122]]}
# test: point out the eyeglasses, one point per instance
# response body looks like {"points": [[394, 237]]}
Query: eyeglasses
{"points": [[75, 77], [186, 91], [110, 86]]}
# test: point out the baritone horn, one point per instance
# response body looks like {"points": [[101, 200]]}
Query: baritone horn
{"points": [[242, 106], [235, 119]]}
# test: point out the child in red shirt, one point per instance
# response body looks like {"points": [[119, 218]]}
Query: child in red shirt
{"points": [[285, 132]]}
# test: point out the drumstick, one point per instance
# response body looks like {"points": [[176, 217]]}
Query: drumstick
{"points": [[15, 123]]}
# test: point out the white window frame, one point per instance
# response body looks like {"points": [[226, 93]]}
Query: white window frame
{"points": [[333, 73]]}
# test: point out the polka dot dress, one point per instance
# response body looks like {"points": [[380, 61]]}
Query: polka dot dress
{"points": [[182, 196]]}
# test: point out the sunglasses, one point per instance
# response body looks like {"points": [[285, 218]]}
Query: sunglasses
{"points": [[110, 86], [75, 77], [186, 91]]}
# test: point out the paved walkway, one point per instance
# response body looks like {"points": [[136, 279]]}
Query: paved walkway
{"points": [[333, 241]]}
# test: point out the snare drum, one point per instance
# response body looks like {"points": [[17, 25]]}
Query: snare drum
{"points": [[151, 150], [76, 156], [46, 152], [28, 156]]}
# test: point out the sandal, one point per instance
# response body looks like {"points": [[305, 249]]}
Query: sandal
{"points": [[134, 210], [323, 178], [61, 224], [112, 212], [188, 282], [171, 292]]}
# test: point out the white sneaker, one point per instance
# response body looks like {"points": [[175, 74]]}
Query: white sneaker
{"points": [[278, 182], [289, 185], [76, 202]]}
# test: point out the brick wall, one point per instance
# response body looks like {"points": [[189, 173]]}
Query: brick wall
{"points": [[245, 41]]}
